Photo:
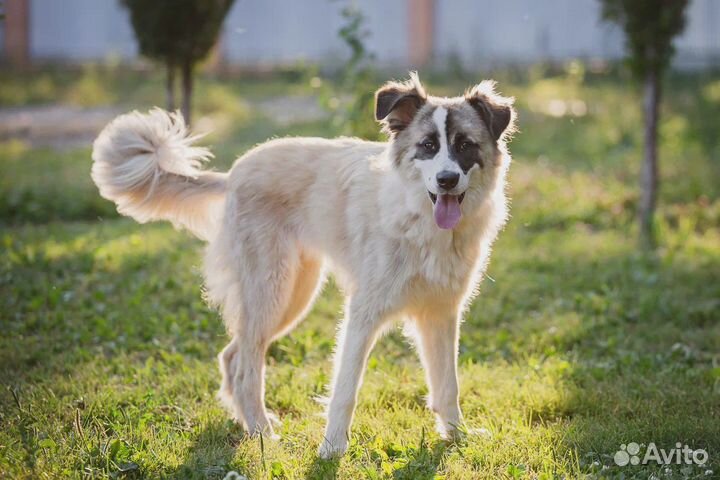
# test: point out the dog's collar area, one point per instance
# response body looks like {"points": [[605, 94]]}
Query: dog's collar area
{"points": [[433, 197]]}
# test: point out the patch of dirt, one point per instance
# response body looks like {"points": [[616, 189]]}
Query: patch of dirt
{"points": [[64, 127], [55, 126], [289, 110]]}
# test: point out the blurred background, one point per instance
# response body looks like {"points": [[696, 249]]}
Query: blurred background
{"points": [[405, 34], [583, 338]]}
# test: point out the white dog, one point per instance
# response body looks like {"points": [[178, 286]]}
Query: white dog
{"points": [[406, 226]]}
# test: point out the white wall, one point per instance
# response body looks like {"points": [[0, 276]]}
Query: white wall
{"points": [[80, 30], [480, 32], [700, 43], [285, 31]]}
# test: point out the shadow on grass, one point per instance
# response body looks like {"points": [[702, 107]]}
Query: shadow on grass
{"points": [[419, 463], [104, 290], [600, 415], [621, 302], [321, 469], [629, 342], [211, 453], [422, 463]]}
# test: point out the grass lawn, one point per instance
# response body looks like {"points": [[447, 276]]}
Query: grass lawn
{"points": [[577, 344]]}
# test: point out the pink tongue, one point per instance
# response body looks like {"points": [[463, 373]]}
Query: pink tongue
{"points": [[447, 211]]}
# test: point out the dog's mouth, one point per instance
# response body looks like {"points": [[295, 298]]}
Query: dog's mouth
{"points": [[434, 196], [446, 209]]}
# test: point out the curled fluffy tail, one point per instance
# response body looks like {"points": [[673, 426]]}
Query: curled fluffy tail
{"points": [[148, 166]]}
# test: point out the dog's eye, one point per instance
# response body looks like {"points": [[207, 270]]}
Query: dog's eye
{"points": [[429, 145], [465, 145]]}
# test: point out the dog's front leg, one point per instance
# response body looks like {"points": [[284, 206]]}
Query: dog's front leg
{"points": [[355, 340], [438, 348]]}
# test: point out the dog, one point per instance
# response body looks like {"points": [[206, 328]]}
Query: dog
{"points": [[406, 226]]}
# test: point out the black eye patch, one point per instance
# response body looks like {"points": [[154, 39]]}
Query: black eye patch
{"points": [[463, 151]]}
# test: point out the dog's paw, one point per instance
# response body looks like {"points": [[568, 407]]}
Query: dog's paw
{"points": [[332, 449], [267, 435], [460, 433], [264, 430], [272, 436], [274, 419], [451, 432], [453, 435]]}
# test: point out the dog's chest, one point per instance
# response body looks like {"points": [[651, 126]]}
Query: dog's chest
{"points": [[442, 263]]}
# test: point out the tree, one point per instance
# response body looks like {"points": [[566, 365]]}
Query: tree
{"points": [[179, 34], [649, 26]]}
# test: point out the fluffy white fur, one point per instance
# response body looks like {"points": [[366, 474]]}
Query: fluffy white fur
{"points": [[148, 166], [288, 209]]}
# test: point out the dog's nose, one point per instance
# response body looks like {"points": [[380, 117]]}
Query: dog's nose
{"points": [[447, 179]]}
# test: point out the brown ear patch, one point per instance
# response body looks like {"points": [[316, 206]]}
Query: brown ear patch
{"points": [[396, 103], [495, 110]]}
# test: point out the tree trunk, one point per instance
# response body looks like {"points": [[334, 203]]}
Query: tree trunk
{"points": [[170, 86], [187, 87], [649, 175]]}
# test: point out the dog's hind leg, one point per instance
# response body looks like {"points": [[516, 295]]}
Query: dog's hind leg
{"points": [[228, 366], [269, 309], [308, 280]]}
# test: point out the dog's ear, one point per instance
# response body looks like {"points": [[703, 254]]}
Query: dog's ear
{"points": [[396, 103], [496, 111]]}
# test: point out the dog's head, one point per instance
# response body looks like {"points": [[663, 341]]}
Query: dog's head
{"points": [[454, 146]]}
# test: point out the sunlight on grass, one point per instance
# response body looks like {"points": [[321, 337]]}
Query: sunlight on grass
{"points": [[576, 344], [552, 351]]}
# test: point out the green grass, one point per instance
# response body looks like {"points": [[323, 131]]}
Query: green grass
{"points": [[577, 343]]}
